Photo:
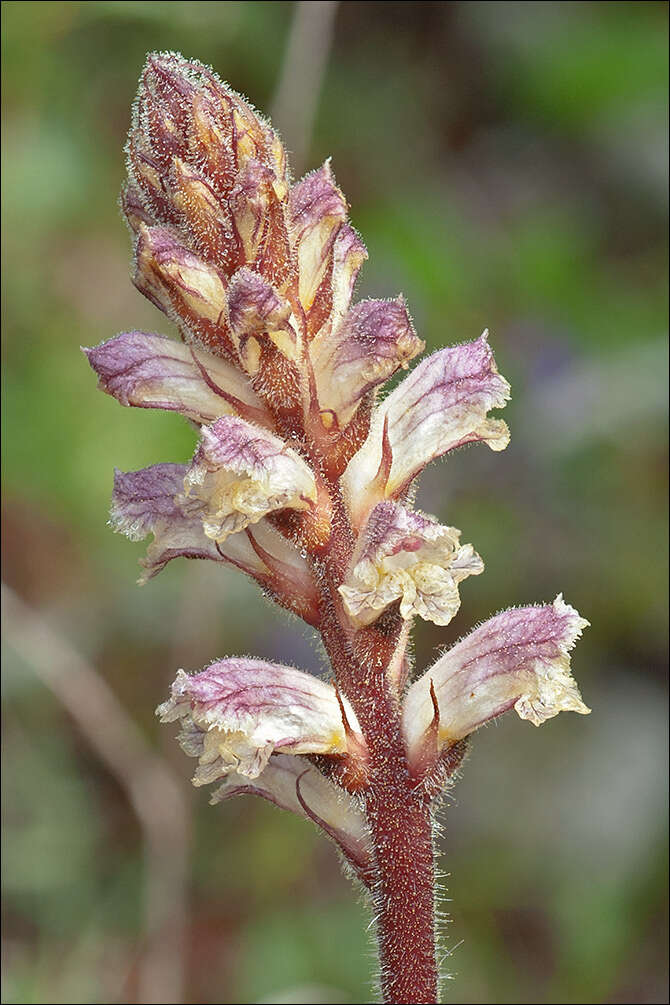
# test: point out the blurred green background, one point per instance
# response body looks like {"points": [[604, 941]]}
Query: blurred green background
{"points": [[506, 166]]}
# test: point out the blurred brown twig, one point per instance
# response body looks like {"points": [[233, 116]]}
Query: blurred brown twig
{"points": [[301, 76], [155, 795]]}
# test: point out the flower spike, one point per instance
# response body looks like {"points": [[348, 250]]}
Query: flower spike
{"points": [[302, 478]]}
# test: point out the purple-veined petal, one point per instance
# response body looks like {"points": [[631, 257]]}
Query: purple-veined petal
{"points": [[373, 341], [518, 659], [152, 371], [407, 556], [144, 502], [246, 709], [317, 209], [142, 499], [442, 404], [349, 253], [257, 312], [239, 474], [293, 784]]}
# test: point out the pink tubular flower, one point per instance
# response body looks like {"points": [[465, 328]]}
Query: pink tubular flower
{"points": [[519, 659], [441, 405], [302, 479], [247, 710], [151, 371]]}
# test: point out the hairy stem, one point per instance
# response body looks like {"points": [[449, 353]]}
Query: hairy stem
{"points": [[401, 827], [399, 817], [404, 898]]}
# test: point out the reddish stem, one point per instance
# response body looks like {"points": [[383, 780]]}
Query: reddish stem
{"points": [[397, 811], [404, 898]]}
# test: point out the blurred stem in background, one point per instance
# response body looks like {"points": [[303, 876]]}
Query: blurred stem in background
{"points": [[303, 69], [151, 787]]}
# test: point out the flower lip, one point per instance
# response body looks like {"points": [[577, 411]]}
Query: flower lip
{"points": [[145, 502], [152, 371], [518, 659], [246, 709], [349, 253], [293, 784], [407, 556], [240, 473]]}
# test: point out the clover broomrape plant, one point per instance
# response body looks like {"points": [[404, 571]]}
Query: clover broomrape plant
{"points": [[303, 479]]}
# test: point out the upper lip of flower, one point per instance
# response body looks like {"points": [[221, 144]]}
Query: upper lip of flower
{"points": [[518, 659], [442, 404], [152, 371], [246, 709]]}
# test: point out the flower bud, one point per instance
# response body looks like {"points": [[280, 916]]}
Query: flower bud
{"points": [[202, 162], [317, 210], [258, 315], [190, 291], [372, 342], [206, 217], [266, 337]]}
